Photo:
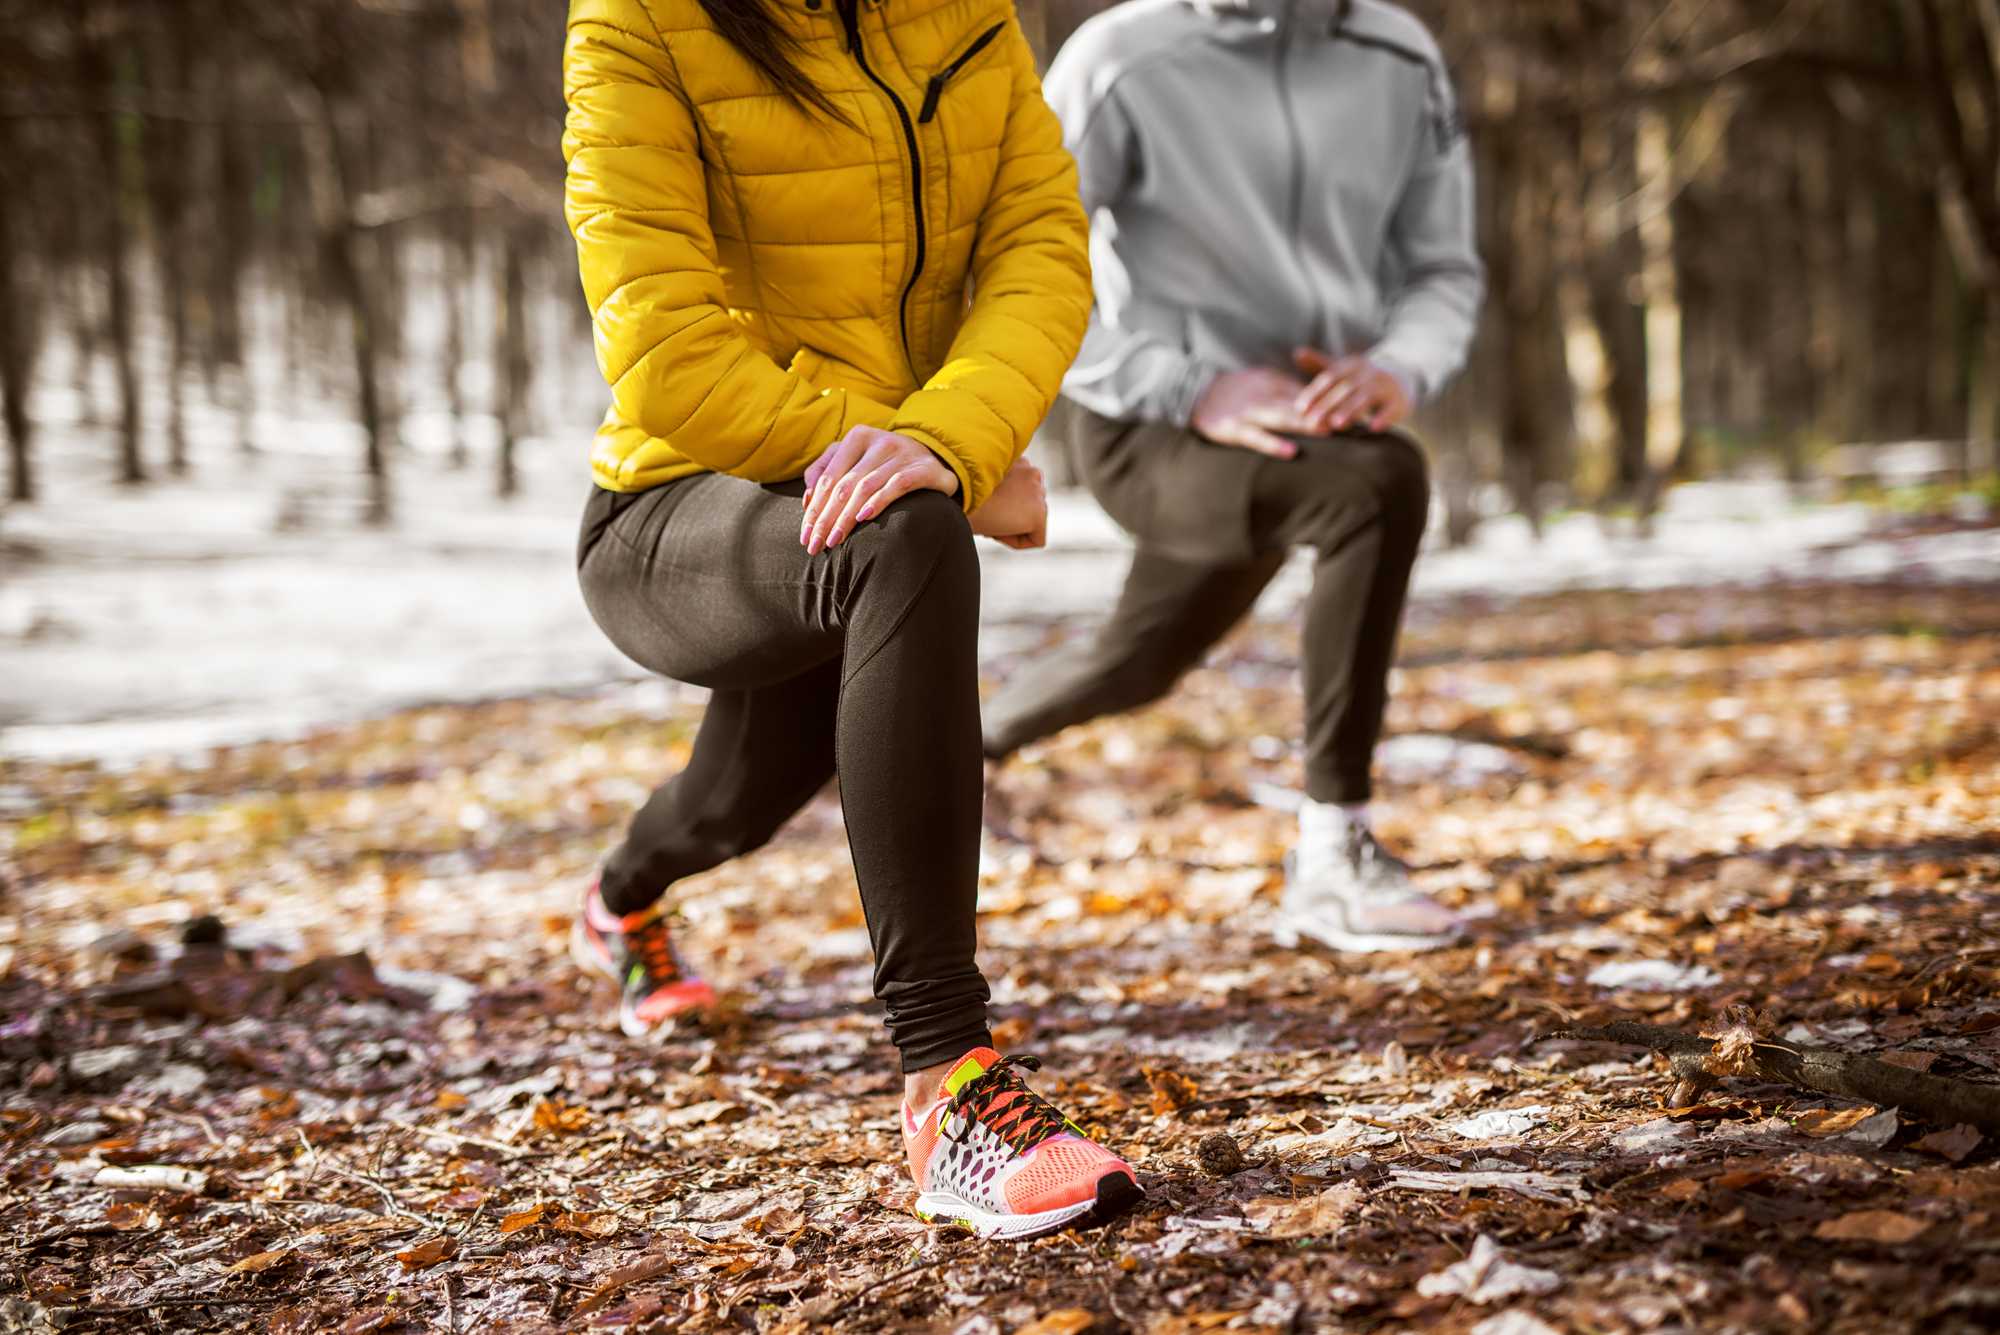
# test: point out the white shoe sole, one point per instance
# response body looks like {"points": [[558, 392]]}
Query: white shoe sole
{"points": [[584, 957], [1290, 936], [944, 1207]]}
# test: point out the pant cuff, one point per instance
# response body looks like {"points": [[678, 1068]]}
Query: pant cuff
{"points": [[623, 896], [925, 1052], [1345, 789]]}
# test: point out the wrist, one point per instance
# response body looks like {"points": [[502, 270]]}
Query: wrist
{"points": [[953, 480], [1194, 386], [1405, 376]]}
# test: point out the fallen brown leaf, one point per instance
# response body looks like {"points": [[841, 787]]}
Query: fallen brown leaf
{"points": [[1825, 1122], [558, 1118], [527, 1218], [1064, 1321], [1172, 1091], [132, 1216], [699, 1114], [429, 1252], [1884, 1226], [1735, 1036], [584, 1223], [1954, 1144], [1308, 1216], [250, 1265], [624, 1277], [1737, 1179]]}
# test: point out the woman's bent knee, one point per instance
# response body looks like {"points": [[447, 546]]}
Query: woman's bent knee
{"points": [[926, 532]]}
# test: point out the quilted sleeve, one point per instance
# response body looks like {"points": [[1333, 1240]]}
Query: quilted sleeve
{"points": [[636, 200], [1030, 300]]}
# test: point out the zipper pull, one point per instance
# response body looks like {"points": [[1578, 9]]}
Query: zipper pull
{"points": [[935, 88]]}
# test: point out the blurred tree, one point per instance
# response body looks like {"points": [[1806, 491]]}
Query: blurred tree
{"points": [[102, 29], [1718, 228]]}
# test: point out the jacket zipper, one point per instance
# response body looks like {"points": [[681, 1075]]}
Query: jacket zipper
{"points": [[850, 17], [935, 88], [1295, 203]]}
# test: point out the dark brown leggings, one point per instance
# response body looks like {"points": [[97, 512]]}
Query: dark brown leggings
{"points": [[860, 661]]}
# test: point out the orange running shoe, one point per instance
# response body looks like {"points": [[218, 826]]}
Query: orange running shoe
{"points": [[637, 952], [993, 1156]]}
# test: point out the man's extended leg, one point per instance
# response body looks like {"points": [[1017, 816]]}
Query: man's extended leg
{"points": [[1360, 503], [1169, 614]]}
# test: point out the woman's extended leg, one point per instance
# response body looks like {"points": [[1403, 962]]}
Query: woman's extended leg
{"points": [[704, 580], [758, 757]]}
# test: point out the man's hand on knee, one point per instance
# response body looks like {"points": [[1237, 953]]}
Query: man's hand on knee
{"points": [[1248, 409], [1347, 392]]}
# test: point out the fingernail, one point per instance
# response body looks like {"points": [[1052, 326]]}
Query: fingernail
{"points": [[866, 513]]}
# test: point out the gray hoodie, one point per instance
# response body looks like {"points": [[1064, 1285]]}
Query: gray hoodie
{"points": [[1264, 174]]}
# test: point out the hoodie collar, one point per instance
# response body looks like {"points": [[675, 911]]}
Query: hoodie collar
{"points": [[1270, 13]]}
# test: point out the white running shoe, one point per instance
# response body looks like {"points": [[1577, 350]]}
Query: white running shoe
{"points": [[1357, 896]]}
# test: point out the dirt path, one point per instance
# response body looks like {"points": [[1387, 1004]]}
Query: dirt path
{"points": [[1659, 805]]}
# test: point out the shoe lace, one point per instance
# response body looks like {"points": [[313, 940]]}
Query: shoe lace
{"points": [[653, 946], [1001, 1099], [1367, 851]]}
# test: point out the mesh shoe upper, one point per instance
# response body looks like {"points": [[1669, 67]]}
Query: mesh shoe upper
{"points": [[996, 1144]]}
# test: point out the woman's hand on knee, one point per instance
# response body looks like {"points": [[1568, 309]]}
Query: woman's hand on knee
{"points": [[859, 477]]}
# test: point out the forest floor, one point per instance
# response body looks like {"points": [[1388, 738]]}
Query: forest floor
{"points": [[290, 1041]]}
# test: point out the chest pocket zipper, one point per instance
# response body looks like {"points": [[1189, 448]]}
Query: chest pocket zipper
{"points": [[935, 88]]}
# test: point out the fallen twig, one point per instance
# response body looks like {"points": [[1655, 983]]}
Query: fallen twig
{"points": [[244, 1300], [515, 1150], [867, 1292], [1938, 1099]]}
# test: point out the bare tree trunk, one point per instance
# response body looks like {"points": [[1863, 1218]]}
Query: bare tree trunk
{"points": [[1612, 267], [1034, 16], [1659, 280], [167, 166], [461, 262], [510, 353], [231, 262], [340, 241], [1586, 351], [97, 76], [17, 333], [1982, 417]]}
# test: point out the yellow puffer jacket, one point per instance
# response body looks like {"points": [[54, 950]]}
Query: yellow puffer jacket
{"points": [[762, 278]]}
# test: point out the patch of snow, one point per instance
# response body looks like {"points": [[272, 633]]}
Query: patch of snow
{"points": [[1429, 757], [1486, 1276], [1652, 976], [1657, 1134], [1500, 1123], [1514, 1321], [445, 992]]}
